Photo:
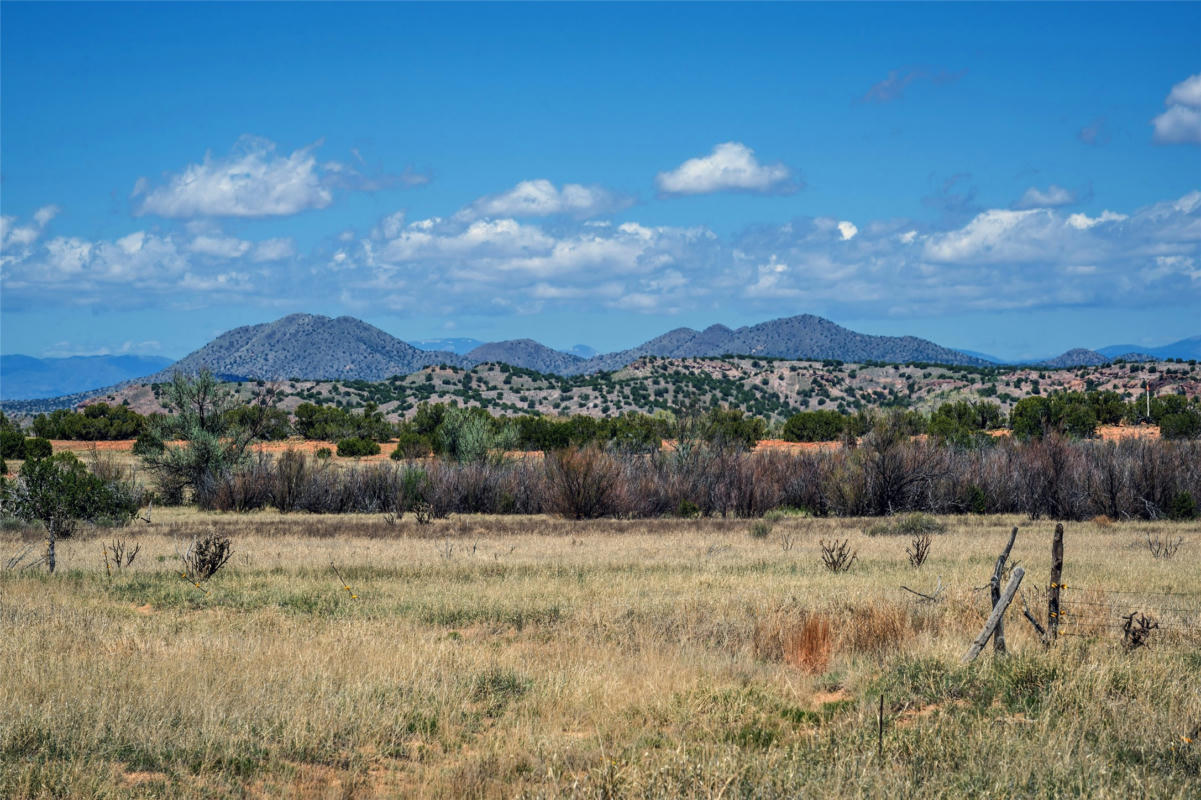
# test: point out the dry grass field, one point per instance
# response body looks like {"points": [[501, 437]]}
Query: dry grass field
{"points": [[509, 656]]}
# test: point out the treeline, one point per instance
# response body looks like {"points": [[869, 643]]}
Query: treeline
{"points": [[888, 473], [1074, 414]]}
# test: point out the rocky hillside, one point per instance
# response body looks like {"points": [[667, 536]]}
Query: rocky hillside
{"points": [[309, 346], [1077, 357], [527, 354], [764, 387], [801, 337]]}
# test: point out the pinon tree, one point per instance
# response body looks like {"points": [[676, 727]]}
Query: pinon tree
{"points": [[59, 492], [212, 442]]}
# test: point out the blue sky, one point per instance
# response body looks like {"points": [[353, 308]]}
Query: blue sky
{"points": [[1015, 179]]}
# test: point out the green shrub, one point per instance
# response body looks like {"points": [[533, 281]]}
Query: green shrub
{"points": [[975, 500], [148, 443], [323, 453], [687, 509], [37, 447], [12, 444], [1182, 425], [1182, 506], [815, 426], [761, 530], [355, 447], [410, 445]]}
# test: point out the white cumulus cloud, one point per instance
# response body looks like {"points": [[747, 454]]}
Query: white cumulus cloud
{"points": [[14, 237], [1084, 222], [1181, 123], [1053, 197], [219, 246], [273, 250], [1187, 92], [541, 198], [731, 167], [253, 181]]}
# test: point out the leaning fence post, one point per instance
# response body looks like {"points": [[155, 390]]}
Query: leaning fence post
{"points": [[997, 612], [998, 638], [1056, 585]]}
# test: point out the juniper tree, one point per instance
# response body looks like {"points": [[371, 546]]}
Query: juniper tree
{"points": [[59, 492]]}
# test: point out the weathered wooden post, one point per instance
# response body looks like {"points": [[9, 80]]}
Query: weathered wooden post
{"points": [[997, 612], [998, 639], [1056, 585]]}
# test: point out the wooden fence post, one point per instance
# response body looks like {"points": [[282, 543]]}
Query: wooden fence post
{"points": [[1053, 589], [998, 638], [998, 611]]}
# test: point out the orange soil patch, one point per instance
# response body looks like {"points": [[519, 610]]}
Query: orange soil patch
{"points": [[117, 446], [1111, 433], [135, 778], [794, 447], [1108, 433], [311, 446], [912, 715], [822, 698]]}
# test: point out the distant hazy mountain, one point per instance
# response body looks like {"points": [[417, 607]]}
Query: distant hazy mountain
{"points": [[582, 350], [460, 346], [800, 337], [1077, 357], [27, 378], [528, 354], [310, 346], [1185, 348], [982, 356]]}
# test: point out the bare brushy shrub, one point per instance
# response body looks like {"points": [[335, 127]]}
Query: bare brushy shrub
{"points": [[1136, 630], [206, 555], [837, 556], [581, 483], [1162, 546], [291, 474], [118, 555], [1055, 478], [919, 549]]}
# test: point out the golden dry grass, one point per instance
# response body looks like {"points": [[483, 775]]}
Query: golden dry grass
{"points": [[500, 657]]}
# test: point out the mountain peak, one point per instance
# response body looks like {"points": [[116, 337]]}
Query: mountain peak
{"points": [[309, 346], [527, 354]]}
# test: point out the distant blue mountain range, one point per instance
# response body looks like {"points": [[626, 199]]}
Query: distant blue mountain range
{"points": [[464, 346], [28, 378], [458, 346], [1185, 348]]}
